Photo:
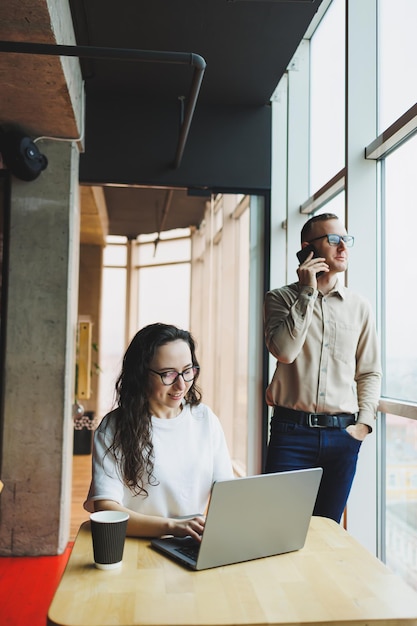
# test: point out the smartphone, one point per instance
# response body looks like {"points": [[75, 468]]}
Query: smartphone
{"points": [[303, 254]]}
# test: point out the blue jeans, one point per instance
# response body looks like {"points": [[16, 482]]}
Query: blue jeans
{"points": [[292, 446]]}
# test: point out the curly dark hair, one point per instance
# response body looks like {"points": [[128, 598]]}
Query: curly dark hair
{"points": [[133, 433]]}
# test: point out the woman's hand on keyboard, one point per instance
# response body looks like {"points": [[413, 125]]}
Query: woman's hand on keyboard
{"points": [[190, 526]]}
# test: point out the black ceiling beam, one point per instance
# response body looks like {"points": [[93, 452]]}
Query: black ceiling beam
{"points": [[126, 54]]}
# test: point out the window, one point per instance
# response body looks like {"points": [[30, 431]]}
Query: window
{"points": [[382, 60], [201, 280], [227, 282], [400, 226], [401, 497], [397, 59], [327, 93], [399, 359], [161, 270], [112, 335]]}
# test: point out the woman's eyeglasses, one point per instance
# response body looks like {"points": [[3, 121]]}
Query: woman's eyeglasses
{"points": [[169, 378], [334, 240]]}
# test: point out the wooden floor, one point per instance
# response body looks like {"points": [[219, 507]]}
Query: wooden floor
{"points": [[81, 476]]}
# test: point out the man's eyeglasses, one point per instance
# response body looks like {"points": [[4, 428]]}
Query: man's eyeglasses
{"points": [[169, 378], [334, 240]]}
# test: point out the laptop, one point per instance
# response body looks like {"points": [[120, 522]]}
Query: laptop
{"points": [[250, 518]]}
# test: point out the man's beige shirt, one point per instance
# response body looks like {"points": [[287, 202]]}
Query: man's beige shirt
{"points": [[326, 349]]}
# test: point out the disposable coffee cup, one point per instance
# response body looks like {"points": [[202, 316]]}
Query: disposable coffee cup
{"points": [[108, 531]]}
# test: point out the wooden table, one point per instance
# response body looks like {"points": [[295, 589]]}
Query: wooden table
{"points": [[332, 580]]}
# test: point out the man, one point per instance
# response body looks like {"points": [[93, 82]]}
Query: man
{"points": [[326, 385]]}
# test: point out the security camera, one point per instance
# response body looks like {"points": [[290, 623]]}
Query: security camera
{"points": [[21, 155]]}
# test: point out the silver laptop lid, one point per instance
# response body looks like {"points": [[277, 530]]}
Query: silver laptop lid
{"points": [[258, 516]]}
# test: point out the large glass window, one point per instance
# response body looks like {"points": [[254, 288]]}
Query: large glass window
{"points": [[401, 497], [397, 93], [400, 338], [397, 59], [327, 93], [227, 287], [201, 280], [159, 273], [400, 359], [382, 508], [112, 335], [163, 266]]}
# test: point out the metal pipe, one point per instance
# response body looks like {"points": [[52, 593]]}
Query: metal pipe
{"points": [[167, 205], [199, 66], [127, 54]]}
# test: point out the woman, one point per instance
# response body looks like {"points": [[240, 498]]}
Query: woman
{"points": [[158, 453]]}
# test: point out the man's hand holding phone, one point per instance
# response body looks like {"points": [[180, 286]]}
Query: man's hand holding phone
{"points": [[311, 266]]}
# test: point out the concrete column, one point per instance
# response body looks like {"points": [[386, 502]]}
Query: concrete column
{"points": [[35, 504]]}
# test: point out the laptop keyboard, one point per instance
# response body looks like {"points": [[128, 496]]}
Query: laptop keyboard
{"points": [[190, 549]]}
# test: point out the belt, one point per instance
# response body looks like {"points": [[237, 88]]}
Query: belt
{"points": [[314, 420]]}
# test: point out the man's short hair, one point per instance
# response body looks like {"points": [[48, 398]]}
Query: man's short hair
{"points": [[307, 228]]}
